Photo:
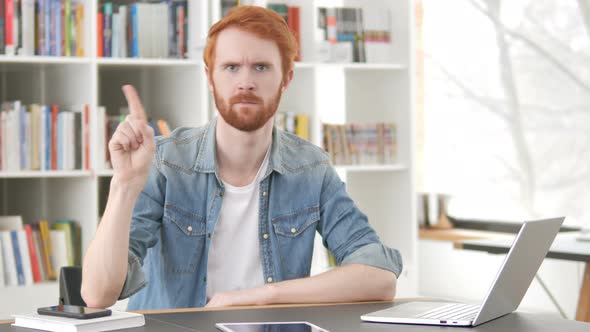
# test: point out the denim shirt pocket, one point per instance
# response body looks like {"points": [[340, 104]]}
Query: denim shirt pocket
{"points": [[295, 237], [183, 239]]}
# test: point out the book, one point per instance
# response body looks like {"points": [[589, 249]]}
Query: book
{"points": [[39, 248], [11, 223], [116, 321], [302, 126], [10, 275], [1, 263], [59, 247], [9, 27], [47, 249], [2, 24], [33, 253], [25, 256], [72, 245]]}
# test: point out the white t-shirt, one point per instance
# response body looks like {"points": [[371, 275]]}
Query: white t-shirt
{"points": [[234, 254]]}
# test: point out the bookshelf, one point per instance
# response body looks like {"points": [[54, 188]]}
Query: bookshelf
{"points": [[176, 90]]}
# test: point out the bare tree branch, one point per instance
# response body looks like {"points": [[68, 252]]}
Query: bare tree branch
{"points": [[536, 47], [517, 173], [584, 6], [510, 90], [554, 39], [466, 90], [566, 181]]}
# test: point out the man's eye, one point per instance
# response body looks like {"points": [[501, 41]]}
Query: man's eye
{"points": [[261, 67], [231, 67]]}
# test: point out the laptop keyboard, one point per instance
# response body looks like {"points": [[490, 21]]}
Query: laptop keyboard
{"points": [[457, 311]]}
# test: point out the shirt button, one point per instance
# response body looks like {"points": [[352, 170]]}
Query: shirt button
{"points": [[269, 279], [293, 230], [264, 193], [204, 279], [265, 236], [189, 228], [220, 193], [209, 235]]}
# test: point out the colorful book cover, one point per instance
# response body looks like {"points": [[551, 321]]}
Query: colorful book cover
{"points": [[107, 28], [48, 252], [18, 261], [80, 30], [33, 254], [25, 256], [100, 34]]}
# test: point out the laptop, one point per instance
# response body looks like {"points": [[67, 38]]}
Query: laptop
{"points": [[509, 287]]}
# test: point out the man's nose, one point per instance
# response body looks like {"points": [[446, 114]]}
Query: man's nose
{"points": [[246, 82]]}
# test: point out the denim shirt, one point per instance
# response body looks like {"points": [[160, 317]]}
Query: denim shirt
{"points": [[174, 219]]}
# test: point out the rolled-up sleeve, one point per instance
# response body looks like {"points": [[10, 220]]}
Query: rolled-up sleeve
{"points": [[135, 279], [145, 224], [346, 231], [377, 255]]}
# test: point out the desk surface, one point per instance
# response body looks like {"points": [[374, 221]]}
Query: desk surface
{"points": [[335, 318], [566, 247]]}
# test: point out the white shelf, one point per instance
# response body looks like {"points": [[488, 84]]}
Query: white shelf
{"points": [[39, 60], [371, 168], [146, 62], [45, 174], [352, 66], [176, 90], [40, 285], [374, 66], [304, 65], [104, 173]]}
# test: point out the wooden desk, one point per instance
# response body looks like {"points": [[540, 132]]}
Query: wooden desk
{"points": [[334, 317]]}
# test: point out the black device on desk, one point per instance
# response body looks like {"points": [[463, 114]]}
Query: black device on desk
{"points": [[270, 326], [74, 311]]}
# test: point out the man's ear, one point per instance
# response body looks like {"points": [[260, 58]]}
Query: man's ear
{"points": [[209, 79], [287, 80]]}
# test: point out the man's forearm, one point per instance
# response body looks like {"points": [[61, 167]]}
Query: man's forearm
{"points": [[347, 283], [105, 263]]}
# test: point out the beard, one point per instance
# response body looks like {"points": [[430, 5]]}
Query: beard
{"points": [[247, 118]]}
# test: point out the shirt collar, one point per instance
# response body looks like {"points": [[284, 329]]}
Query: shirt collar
{"points": [[206, 158]]}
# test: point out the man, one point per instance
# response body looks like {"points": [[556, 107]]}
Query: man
{"points": [[229, 211]]}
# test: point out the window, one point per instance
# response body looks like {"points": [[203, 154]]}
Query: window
{"points": [[507, 107]]}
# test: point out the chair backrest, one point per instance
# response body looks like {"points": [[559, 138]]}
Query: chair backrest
{"points": [[70, 283]]}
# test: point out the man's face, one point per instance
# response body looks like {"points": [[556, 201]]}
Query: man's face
{"points": [[246, 79]]}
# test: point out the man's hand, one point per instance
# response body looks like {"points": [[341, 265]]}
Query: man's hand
{"points": [[253, 296], [132, 145]]}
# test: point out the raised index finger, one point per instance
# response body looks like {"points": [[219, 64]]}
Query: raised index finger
{"points": [[135, 107]]}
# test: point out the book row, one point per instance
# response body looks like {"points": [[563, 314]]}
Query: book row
{"points": [[142, 29], [44, 137], [297, 124], [42, 27], [57, 138], [34, 253], [361, 144], [348, 34]]}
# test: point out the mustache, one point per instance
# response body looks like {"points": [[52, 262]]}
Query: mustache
{"points": [[247, 97]]}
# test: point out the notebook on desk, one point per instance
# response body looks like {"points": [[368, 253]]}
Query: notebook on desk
{"points": [[509, 287], [117, 320]]}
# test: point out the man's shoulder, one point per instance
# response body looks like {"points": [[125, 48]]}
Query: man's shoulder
{"points": [[182, 136], [299, 154], [180, 148]]}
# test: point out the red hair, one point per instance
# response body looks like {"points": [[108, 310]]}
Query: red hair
{"points": [[262, 22]]}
